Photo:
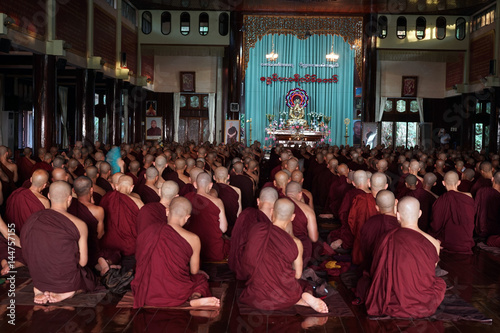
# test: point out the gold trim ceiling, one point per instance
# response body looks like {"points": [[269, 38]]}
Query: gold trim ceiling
{"points": [[257, 26]]}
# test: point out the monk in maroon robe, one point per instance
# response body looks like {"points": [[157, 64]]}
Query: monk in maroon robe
{"points": [[44, 164], [243, 226], [121, 211], [486, 174], [208, 220], [104, 174], [487, 208], [55, 249], [279, 184], [245, 184], [179, 175], [230, 196], [404, 278], [453, 217], [426, 199], [148, 190], [337, 191], [168, 263], [466, 181], [25, 166], [364, 207], [24, 202], [274, 263], [189, 188]]}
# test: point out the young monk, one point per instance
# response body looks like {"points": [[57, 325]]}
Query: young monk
{"points": [[230, 195], [404, 279], [57, 267], [148, 190], [168, 263], [274, 262]]}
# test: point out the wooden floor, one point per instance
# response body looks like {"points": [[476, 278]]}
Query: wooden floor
{"points": [[475, 278]]}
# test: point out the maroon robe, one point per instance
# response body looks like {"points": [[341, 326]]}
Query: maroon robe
{"points": [[162, 275], [465, 185], [104, 184], [173, 176], [151, 213], [453, 222], [7, 186], [230, 199], [120, 222], [204, 222], [239, 238], [404, 278], [24, 169], [372, 233], [147, 194], [344, 232], [274, 171], [20, 205], [50, 248], [480, 183], [487, 208], [299, 224], [188, 188], [83, 213], [321, 182], [268, 256], [6, 251], [280, 192], [336, 194], [97, 198], [245, 184], [426, 200], [363, 207], [493, 241], [42, 165], [134, 178]]}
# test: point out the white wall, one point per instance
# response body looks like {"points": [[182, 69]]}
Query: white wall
{"points": [[431, 78]]}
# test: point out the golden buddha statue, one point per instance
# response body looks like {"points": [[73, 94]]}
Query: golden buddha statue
{"points": [[296, 114]]}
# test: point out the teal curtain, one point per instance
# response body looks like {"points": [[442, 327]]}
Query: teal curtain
{"points": [[331, 99]]}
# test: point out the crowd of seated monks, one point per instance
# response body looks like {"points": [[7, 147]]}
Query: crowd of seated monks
{"points": [[81, 217]]}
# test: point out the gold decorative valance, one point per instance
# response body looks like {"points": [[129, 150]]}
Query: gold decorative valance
{"points": [[257, 26]]}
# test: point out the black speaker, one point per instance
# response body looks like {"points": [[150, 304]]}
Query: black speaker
{"points": [[493, 66], [61, 64], [5, 45]]}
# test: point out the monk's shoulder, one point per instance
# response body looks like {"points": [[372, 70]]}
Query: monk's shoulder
{"points": [[97, 211], [137, 201], [81, 226], [466, 193], [189, 236]]}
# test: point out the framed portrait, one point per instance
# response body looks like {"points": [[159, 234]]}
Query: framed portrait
{"points": [[232, 132], [188, 82], [370, 134], [150, 108], [356, 132], [153, 128], [409, 86]]}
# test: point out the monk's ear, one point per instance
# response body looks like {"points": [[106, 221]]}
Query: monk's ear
{"points": [[458, 183], [293, 217], [444, 184], [419, 213], [386, 185], [377, 208], [195, 185], [398, 216]]}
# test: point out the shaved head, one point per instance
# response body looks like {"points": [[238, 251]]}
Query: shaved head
{"points": [[203, 180], [180, 207], [59, 174], [468, 174], [485, 167], [221, 174], [411, 180], [59, 192], [151, 173], [104, 168], [125, 180], [82, 186], [378, 181], [429, 179], [39, 178], [293, 188], [414, 166], [343, 170], [283, 209], [360, 178], [134, 166], [180, 164], [91, 172], [385, 201], [238, 167], [297, 176], [496, 178], [268, 194], [193, 174], [281, 178], [169, 190], [451, 178], [160, 162], [292, 164], [408, 209], [115, 178]]}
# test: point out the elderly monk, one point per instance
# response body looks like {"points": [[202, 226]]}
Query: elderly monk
{"points": [[487, 209], [486, 172], [168, 263], [240, 180], [274, 263], [25, 165], [179, 175], [364, 207], [148, 190], [208, 220], [193, 174], [406, 285], [55, 249], [98, 192], [243, 226], [298, 176], [343, 236], [230, 195], [453, 217], [426, 198], [24, 202], [372, 233], [304, 222], [157, 211], [121, 209], [103, 180]]}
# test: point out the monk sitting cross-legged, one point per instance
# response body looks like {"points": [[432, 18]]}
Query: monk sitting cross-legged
{"points": [[230, 195], [55, 249], [208, 220], [404, 279], [274, 262], [168, 263], [148, 190]]}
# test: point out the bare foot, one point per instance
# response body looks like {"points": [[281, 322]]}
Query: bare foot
{"points": [[204, 313], [58, 297], [314, 321], [326, 216], [5, 267], [205, 301], [315, 303], [103, 266], [40, 298], [335, 245]]}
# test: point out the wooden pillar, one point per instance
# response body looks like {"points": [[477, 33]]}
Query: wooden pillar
{"points": [[139, 98], [44, 98], [113, 110], [495, 105], [85, 100], [369, 67]]}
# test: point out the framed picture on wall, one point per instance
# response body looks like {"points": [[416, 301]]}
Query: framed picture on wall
{"points": [[409, 86], [232, 132], [153, 128], [370, 134], [187, 82], [150, 108]]}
